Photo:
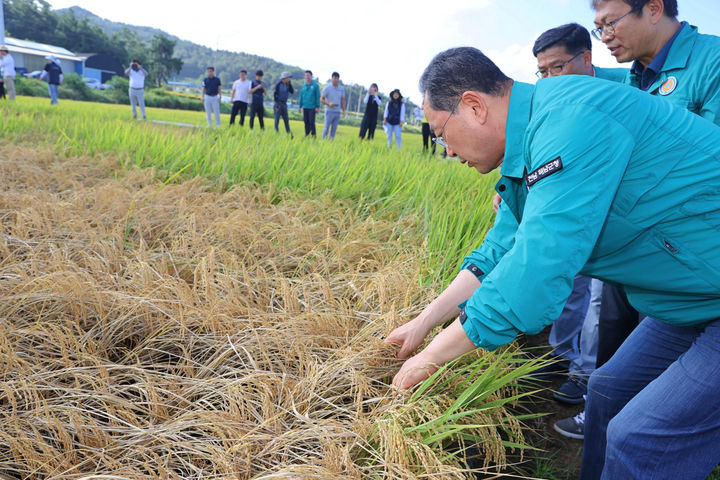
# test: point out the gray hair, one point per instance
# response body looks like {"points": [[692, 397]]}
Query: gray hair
{"points": [[458, 70]]}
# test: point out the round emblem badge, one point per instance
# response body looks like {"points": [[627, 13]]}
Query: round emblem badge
{"points": [[669, 86]]}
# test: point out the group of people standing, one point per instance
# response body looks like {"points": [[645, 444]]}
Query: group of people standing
{"points": [[251, 94]]}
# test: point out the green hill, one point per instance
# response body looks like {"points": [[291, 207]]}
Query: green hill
{"points": [[80, 30], [196, 57]]}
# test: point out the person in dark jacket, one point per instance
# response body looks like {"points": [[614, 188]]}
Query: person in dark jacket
{"points": [[394, 117], [369, 121], [257, 92], [283, 90], [53, 74]]}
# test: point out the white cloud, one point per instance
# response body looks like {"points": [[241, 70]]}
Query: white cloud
{"points": [[516, 61]]}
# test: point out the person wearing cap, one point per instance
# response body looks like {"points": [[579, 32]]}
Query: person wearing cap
{"points": [[283, 90], [7, 68], [136, 91], [53, 74], [240, 96], [333, 97], [610, 182], [211, 95], [309, 102], [257, 107]]}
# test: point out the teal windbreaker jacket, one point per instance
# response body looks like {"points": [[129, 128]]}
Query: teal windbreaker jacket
{"points": [[607, 181]]}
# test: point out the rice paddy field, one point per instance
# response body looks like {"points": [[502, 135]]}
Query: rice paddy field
{"points": [[211, 303]]}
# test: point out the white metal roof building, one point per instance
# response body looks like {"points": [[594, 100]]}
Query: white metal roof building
{"points": [[31, 56]]}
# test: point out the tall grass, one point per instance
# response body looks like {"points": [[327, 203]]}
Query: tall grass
{"points": [[450, 202]]}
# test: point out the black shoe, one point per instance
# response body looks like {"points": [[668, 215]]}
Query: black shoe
{"points": [[557, 369], [573, 427], [573, 391]]}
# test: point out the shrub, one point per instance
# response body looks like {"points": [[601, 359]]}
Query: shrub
{"points": [[31, 87]]}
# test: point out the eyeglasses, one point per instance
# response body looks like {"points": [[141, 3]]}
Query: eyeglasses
{"points": [[440, 140], [609, 28], [553, 71]]}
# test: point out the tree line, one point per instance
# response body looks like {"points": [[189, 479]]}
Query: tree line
{"points": [[35, 20], [164, 56]]}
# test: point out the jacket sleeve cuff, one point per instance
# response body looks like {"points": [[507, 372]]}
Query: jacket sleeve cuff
{"points": [[481, 336]]}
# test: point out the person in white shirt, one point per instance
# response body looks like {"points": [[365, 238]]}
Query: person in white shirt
{"points": [[137, 76], [240, 97], [7, 66]]}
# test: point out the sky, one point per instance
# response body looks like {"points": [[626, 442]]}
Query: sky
{"points": [[389, 42]]}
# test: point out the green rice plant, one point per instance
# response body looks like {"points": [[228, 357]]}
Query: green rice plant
{"points": [[451, 202]]}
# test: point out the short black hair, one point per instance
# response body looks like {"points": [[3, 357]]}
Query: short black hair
{"points": [[135, 61], [671, 6], [210, 68], [335, 74], [456, 71], [309, 71], [575, 38], [260, 73], [243, 71]]}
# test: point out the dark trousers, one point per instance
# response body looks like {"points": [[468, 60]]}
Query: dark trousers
{"points": [[309, 119], [281, 111], [2, 90], [259, 110], [617, 321], [241, 107], [368, 126], [428, 136]]}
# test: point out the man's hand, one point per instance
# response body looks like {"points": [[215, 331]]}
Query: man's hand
{"points": [[317, 109], [497, 200], [446, 346], [409, 336], [413, 372]]}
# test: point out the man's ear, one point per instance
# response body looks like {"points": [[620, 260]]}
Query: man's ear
{"points": [[657, 10], [477, 103], [587, 58]]}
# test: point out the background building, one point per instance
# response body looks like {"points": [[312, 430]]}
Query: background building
{"points": [[100, 66], [30, 56]]}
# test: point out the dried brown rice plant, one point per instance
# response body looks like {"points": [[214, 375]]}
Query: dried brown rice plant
{"points": [[177, 331]]}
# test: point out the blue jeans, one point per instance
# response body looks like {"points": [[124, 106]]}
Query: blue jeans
{"points": [[653, 410], [584, 362], [53, 89], [565, 331], [397, 129], [332, 120], [281, 111]]}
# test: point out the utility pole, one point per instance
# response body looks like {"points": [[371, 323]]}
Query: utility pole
{"points": [[2, 24]]}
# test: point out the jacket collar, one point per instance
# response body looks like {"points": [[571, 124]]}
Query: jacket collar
{"points": [[677, 58], [517, 121]]}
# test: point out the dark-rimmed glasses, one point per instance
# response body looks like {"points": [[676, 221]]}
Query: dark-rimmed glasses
{"points": [[609, 28], [553, 71]]}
